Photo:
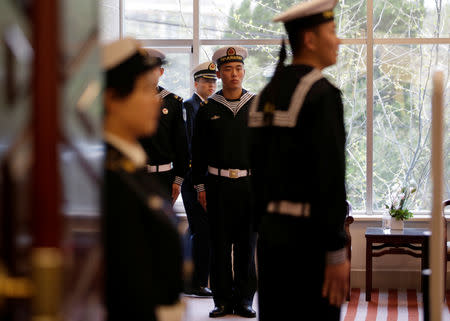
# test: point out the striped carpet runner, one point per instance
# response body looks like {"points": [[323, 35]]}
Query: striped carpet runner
{"points": [[388, 305]]}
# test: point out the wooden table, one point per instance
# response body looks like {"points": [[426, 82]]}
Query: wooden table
{"points": [[409, 241]]}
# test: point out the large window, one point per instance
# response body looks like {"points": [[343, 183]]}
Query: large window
{"points": [[389, 51]]}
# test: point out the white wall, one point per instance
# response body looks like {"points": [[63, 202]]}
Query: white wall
{"points": [[109, 20]]}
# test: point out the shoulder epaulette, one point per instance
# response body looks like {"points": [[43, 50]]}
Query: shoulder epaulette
{"points": [[178, 98], [115, 161]]}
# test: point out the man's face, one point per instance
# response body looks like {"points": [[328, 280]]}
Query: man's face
{"points": [[326, 44], [155, 74], [205, 87], [139, 111], [232, 75]]}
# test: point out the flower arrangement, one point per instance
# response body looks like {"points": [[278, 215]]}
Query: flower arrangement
{"points": [[398, 202]]}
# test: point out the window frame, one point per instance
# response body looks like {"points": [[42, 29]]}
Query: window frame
{"points": [[369, 42]]}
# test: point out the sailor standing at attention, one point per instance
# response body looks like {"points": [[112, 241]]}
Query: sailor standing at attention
{"points": [[142, 246], [301, 197], [167, 150], [205, 80], [222, 173]]}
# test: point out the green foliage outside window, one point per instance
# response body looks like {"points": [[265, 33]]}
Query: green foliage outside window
{"points": [[401, 77]]}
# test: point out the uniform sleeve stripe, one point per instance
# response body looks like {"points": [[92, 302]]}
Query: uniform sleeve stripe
{"points": [[200, 187], [178, 180]]}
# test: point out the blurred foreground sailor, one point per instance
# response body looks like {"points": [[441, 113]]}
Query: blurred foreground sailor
{"points": [[301, 197], [221, 173], [167, 150], [142, 247], [205, 80]]}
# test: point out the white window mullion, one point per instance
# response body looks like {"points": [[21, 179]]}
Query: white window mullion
{"points": [[121, 10], [369, 110], [411, 41], [195, 58]]}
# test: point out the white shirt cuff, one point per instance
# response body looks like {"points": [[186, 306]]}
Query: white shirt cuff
{"points": [[336, 257]]}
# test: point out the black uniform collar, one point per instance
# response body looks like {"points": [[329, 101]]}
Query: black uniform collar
{"points": [[134, 152], [197, 98], [301, 68]]}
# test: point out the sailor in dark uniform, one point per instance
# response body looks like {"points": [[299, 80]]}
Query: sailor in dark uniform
{"points": [[142, 247], [298, 154], [205, 85], [221, 172], [167, 150]]}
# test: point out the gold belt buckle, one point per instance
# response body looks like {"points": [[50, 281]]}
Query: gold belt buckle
{"points": [[234, 173]]}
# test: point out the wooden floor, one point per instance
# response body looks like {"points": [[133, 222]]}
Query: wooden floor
{"points": [[386, 305], [197, 309]]}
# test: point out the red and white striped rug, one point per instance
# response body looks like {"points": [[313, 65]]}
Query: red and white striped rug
{"points": [[387, 305]]}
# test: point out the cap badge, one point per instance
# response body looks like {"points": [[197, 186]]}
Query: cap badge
{"points": [[212, 66], [231, 51], [165, 111], [328, 14]]}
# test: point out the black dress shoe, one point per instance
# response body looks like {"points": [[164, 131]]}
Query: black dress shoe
{"points": [[220, 311], [201, 291], [245, 311]]}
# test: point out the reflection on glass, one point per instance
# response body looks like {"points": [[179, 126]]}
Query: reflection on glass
{"points": [[249, 19], [81, 124], [177, 74], [402, 120], [16, 62], [109, 23], [349, 75], [81, 191], [153, 19], [77, 30], [411, 18]]}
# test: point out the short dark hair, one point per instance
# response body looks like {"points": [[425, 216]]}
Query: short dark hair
{"points": [[122, 78], [296, 35]]}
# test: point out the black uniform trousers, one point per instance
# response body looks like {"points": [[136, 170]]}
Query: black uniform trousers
{"points": [[229, 208], [291, 263], [165, 180], [199, 236]]}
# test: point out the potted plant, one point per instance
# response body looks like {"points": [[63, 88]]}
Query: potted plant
{"points": [[397, 209]]}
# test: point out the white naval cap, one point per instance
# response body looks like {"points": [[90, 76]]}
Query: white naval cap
{"points": [[156, 53], [309, 13], [230, 54], [205, 70], [116, 52], [126, 50]]}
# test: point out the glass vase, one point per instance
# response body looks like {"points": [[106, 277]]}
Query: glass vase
{"points": [[386, 221]]}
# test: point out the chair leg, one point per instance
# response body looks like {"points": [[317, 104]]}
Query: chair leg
{"points": [[349, 290], [349, 255], [446, 257]]}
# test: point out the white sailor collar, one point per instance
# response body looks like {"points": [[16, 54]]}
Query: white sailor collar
{"points": [[245, 97], [134, 152]]}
